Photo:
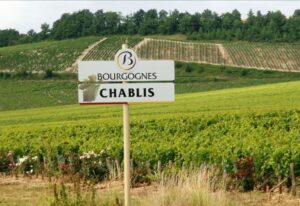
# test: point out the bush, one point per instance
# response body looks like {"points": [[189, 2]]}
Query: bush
{"points": [[189, 68], [5, 75], [22, 74], [178, 65], [201, 69], [48, 74], [244, 72], [4, 163]]}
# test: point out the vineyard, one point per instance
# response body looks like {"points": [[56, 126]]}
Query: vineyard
{"points": [[208, 125], [266, 56], [48, 55], [208, 128], [282, 57], [181, 51], [60, 55], [107, 49]]}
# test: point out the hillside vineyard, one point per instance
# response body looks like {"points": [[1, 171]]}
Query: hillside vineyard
{"points": [[62, 55]]}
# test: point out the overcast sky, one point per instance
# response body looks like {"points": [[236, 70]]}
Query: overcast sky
{"points": [[26, 15]]}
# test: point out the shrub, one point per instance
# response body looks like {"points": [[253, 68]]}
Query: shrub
{"points": [[244, 72], [48, 74], [189, 68]]}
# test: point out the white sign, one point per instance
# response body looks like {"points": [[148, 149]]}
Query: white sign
{"points": [[92, 93], [111, 71]]}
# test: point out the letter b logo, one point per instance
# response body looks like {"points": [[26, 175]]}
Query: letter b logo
{"points": [[126, 59]]}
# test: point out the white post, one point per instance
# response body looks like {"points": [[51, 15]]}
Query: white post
{"points": [[126, 149]]}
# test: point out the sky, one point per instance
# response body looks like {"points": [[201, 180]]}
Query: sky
{"points": [[26, 15]]}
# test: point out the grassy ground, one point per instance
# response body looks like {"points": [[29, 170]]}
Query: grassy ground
{"points": [[281, 96], [18, 94], [33, 92], [193, 190]]}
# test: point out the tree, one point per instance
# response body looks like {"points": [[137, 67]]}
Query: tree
{"points": [[112, 22], [184, 26], [195, 22], [162, 18], [73, 25], [8, 37], [138, 19], [209, 21], [275, 27], [150, 23], [172, 22], [45, 31], [292, 27], [296, 13], [128, 26], [99, 22]]}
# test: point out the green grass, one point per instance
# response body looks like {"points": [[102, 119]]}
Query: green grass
{"points": [[18, 94], [33, 91], [194, 77], [47, 55], [273, 97]]}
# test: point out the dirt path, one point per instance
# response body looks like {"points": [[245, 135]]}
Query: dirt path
{"points": [[140, 44], [225, 55], [74, 66]]}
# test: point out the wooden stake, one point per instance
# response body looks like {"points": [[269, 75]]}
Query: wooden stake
{"points": [[293, 179], [126, 149]]}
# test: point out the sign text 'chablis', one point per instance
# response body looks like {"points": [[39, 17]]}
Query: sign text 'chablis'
{"points": [[129, 92]]}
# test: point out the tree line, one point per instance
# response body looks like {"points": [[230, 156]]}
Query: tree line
{"points": [[208, 25]]}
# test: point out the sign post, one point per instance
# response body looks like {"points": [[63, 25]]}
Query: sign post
{"points": [[126, 134], [106, 82]]}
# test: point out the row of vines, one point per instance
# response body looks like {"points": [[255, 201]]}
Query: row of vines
{"points": [[42, 56], [180, 51], [285, 57], [107, 49], [270, 140]]}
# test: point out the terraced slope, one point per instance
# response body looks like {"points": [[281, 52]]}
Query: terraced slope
{"points": [[238, 100]]}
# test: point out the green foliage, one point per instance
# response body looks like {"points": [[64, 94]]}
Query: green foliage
{"points": [[48, 74], [4, 162], [204, 128], [8, 37], [188, 69], [208, 25]]}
